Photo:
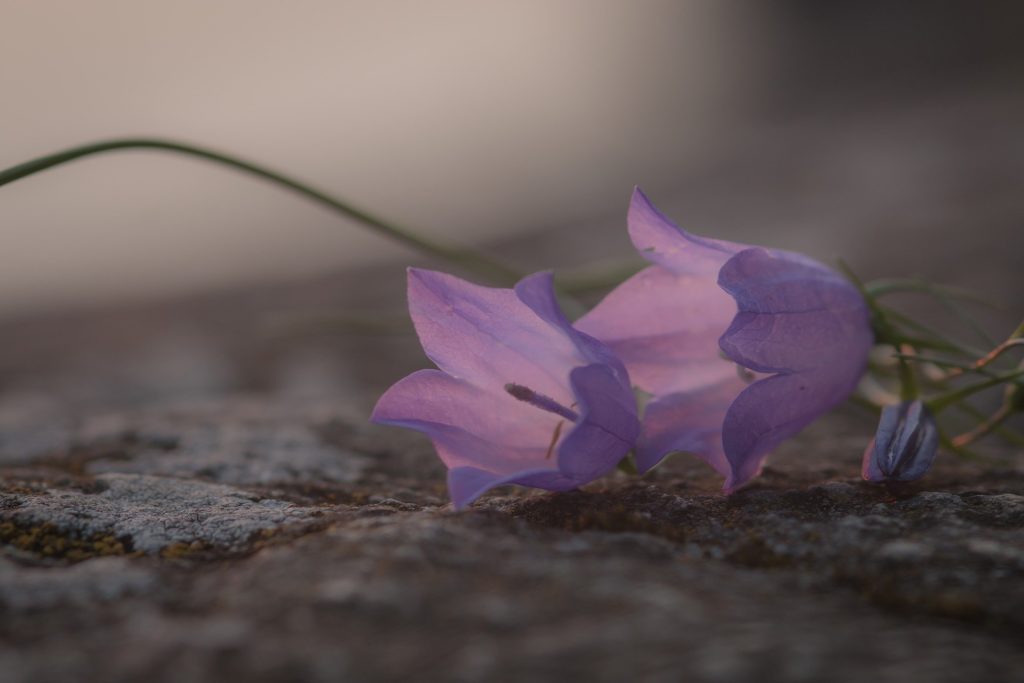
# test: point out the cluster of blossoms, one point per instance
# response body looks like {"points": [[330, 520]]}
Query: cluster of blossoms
{"points": [[733, 348], [730, 349]]}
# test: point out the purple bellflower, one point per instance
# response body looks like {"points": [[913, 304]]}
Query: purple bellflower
{"points": [[521, 397], [904, 445], [740, 347]]}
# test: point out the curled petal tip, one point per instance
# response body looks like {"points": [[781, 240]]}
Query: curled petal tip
{"points": [[419, 273], [640, 197]]}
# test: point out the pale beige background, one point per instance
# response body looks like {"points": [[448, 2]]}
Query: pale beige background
{"points": [[464, 119], [886, 133]]}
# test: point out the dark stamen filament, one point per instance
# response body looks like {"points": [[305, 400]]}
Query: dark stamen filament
{"points": [[527, 395], [554, 439]]}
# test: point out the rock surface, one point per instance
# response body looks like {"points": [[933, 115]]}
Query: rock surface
{"points": [[269, 540]]}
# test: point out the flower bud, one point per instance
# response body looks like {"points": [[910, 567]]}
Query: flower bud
{"points": [[904, 445]]}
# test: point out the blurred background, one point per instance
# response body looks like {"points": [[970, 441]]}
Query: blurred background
{"points": [[854, 129], [887, 134]]}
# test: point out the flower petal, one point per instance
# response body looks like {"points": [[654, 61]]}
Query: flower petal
{"points": [[790, 315], [469, 425], [537, 292], [466, 484], [606, 432], [665, 327], [607, 428], [794, 314], [488, 337], [768, 412], [661, 241], [802, 320], [485, 339], [688, 422]]}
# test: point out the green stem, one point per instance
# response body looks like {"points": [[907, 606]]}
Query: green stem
{"points": [[987, 427], [966, 453], [992, 355], [882, 326], [948, 444], [932, 339], [945, 400], [884, 286], [945, 363], [908, 382], [1010, 435], [885, 333], [468, 259], [947, 297]]}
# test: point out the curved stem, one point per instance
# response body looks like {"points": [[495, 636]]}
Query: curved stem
{"points": [[943, 401], [988, 358], [884, 286], [465, 258], [986, 427], [1010, 435]]}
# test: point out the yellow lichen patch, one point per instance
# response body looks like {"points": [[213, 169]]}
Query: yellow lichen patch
{"points": [[177, 551], [48, 540]]}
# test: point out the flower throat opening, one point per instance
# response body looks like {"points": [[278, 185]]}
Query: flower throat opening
{"points": [[547, 404]]}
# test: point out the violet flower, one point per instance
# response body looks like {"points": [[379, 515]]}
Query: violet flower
{"points": [[904, 445], [795, 337], [521, 396]]}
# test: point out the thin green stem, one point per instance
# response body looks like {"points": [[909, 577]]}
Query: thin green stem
{"points": [[883, 328], [948, 444], [943, 362], [986, 427], [884, 286], [1010, 435], [991, 356], [966, 453], [885, 332], [945, 296], [932, 339], [945, 400], [908, 380], [465, 258]]}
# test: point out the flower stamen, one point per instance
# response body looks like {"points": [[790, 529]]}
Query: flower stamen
{"points": [[546, 403], [554, 439]]}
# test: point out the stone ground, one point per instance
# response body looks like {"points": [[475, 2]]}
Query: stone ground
{"points": [[186, 497]]}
